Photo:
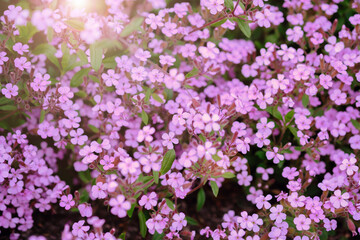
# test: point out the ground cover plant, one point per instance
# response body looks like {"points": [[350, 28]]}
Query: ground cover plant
{"points": [[154, 119]]}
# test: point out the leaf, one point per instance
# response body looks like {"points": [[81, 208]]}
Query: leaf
{"points": [[49, 51], [93, 128], [142, 223], [96, 56], [157, 98], [130, 212], [191, 221], [78, 77], [66, 56], [144, 117], [228, 175], [273, 110], [216, 157], [289, 116], [50, 34], [75, 24], [85, 176], [156, 176], [170, 204], [244, 26], [305, 100], [158, 236], [192, 73], [132, 26], [356, 124], [122, 236], [200, 199], [26, 32], [167, 161], [214, 188], [147, 95], [8, 107], [82, 56], [42, 116], [4, 100], [216, 24], [229, 4]]}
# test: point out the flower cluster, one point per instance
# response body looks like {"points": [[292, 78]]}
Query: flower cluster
{"points": [[150, 104]]}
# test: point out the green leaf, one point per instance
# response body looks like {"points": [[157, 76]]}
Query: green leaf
{"points": [[170, 204], [156, 176], [83, 57], [216, 157], [66, 57], [228, 175], [273, 110], [229, 4], [81, 94], [50, 34], [200, 199], [356, 124], [147, 95], [132, 26], [49, 51], [216, 24], [305, 100], [78, 77], [244, 26], [130, 212], [192, 73], [167, 161], [122, 236], [26, 32], [84, 196], [85, 176], [144, 117], [158, 236], [191, 221], [142, 223], [289, 116], [42, 115], [157, 98], [4, 101], [214, 188], [93, 128], [96, 56], [8, 107], [75, 24]]}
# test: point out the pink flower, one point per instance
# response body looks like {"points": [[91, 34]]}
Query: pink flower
{"points": [[210, 51], [148, 201], [20, 48], [22, 64], [40, 82], [145, 134], [214, 6], [157, 223], [277, 214], [10, 90], [67, 201], [169, 29], [275, 155], [119, 206], [77, 137], [263, 201], [154, 21], [302, 222], [339, 200], [169, 140], [85, 210], [349, 166], [179, 222], [79, 229]]}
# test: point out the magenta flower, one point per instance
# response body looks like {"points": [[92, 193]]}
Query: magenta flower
{"points": [[302, 222], [67, 201], [10, 90], [79, 229], [339, 200], [148, 201], [119, 206]]}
